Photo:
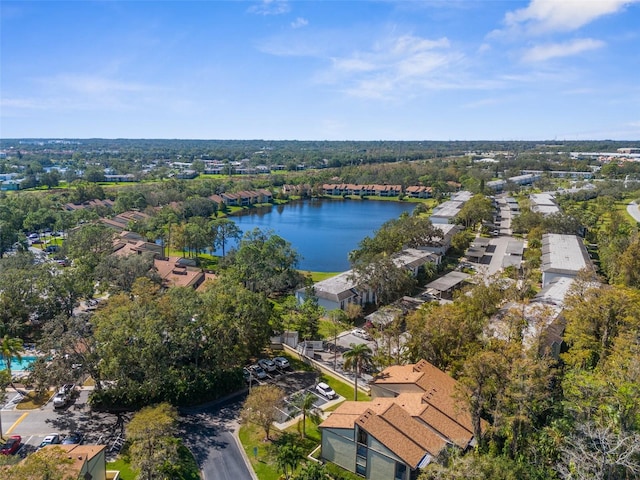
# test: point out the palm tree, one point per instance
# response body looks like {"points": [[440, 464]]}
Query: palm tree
{"points": [[10, 348], [305, 403], [358, 357], [288, 458]]}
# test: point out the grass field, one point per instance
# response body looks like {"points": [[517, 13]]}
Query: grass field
{"points": [[318, 276]]}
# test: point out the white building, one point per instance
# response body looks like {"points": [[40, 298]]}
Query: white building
{"points": [[562, 256], [447, 211], [544, 203]]}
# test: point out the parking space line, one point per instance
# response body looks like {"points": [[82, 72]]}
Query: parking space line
{"points": [[16, 423]]}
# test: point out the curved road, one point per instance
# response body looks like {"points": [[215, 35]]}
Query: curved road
{"points": [[210, 434], [634, 211]]}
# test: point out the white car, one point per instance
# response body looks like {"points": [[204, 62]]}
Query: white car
{"points": [[51, 439], [60, 400], [359, 332], [326, 391]]}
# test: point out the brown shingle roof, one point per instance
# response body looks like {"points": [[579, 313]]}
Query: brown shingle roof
{"points": [[396, 440], [441, 409], [178, 276]]}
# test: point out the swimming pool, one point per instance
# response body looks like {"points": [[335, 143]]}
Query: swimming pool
{"points": [[18, 366]]}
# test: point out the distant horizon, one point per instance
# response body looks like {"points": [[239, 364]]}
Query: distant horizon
{"points": [[544, 141], [331, 71]]}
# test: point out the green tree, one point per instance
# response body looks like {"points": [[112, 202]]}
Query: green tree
{"points": [[50, 463], [393, 236], [198, 234], [304, 402], [266, 262], [480, 385], [357, 358], [77, 353], [235, 321], [477, 209], [595, 317], [288, 458], [224, 230], [312, 471], [90, 244], [444, 335], [118, 273], [262, 407], [151, 432], [8, 236], [629, 264], [382, 276], [10, 348]]}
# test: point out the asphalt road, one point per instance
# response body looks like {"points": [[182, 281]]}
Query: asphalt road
{"points": [[209, 434], [634, 211]]}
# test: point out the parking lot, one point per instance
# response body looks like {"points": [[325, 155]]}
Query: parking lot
{"points": [[332, 355], [34, 425], [294, 384]]}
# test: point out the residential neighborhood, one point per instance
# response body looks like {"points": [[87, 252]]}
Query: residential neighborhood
{"points": [[156, 301]]}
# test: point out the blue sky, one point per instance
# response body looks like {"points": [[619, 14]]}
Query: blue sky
{"points": [[327, 70]]}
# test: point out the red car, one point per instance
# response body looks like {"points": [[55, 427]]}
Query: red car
{"points": [[12, 445]]}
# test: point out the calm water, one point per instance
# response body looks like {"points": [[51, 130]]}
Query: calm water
{"points": [[323, 232], [16, 365]]}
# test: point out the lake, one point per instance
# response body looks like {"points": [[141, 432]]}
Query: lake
{"points": [[323, 231]]}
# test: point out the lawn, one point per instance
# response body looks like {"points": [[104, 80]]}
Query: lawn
{"points": [[126, 473], [318, 276]]}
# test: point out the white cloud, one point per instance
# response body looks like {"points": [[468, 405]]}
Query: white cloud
{"points": [[540, 53], [485, 47], [396, 67], [270, 7], [72, 92], [542, 16], [299, 22], [90, 84], [484, 102]]}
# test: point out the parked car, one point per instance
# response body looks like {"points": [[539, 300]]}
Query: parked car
{"points": [[74, 438], [281, 362], [52, 248], [60, 400], [66, 388], [12, 445], [325, 390], [258, 372], [51, 439], [267, 364], [359, 332], [246, 374]]}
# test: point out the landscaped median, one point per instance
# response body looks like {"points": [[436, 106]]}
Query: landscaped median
{"points": [[34, 399]]}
